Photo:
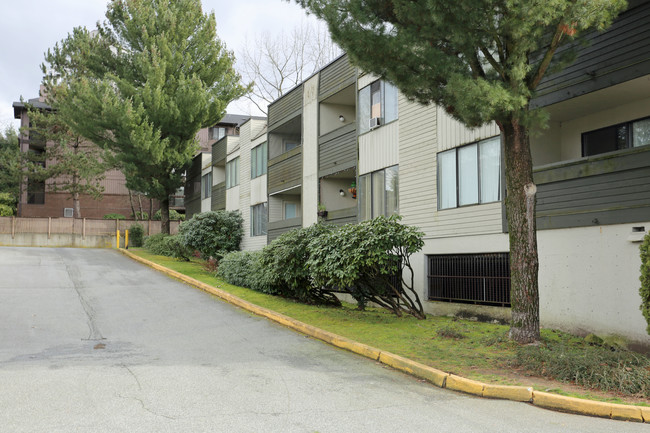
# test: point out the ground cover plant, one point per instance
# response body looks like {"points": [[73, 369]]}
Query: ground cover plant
{"points": [[470, 348]]}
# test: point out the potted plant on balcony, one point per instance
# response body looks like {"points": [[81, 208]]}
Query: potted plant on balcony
{"points": [[322, 212], [353, 189]]}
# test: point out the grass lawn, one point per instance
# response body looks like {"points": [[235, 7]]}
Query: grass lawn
{"points": [[471, 349]]}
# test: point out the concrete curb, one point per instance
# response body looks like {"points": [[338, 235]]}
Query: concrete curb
{"points": [[436, 377]]}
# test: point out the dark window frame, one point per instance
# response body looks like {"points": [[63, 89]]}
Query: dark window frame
{"points": [[629, 138]]}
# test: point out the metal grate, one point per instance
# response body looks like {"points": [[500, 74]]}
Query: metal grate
{"points": [[470, 278]]}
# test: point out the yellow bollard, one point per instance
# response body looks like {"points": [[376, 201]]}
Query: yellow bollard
{"points": [[117, 237], [126, 239]]}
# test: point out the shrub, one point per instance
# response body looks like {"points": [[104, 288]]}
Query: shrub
{"points": [[7, 204], [243, 268], [371, 261], [114, 216], [136, 235], [173, 215], [213, 234], [165, 245], [587, 365], [5, 210], [141, 215], [644, 291], [286, 262]]}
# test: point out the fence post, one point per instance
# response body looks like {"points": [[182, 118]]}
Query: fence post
{"points": [[49, 227], [83, 229], [149, 228], [13, 227]]}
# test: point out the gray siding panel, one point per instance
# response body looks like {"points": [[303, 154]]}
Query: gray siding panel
{"points": [[620, 54], [337, 150], [286, 107], [336, 76], [610, 189], [218, 199], [285, 171], [343, 216], [276, 228], [219, 151]]}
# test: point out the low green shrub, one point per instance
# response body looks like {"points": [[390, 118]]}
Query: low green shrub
{"points": [[141, 215], [644, 291], [7, 204], [136, 235], [165, 245], [243, 268], [5, 210], [599, 367], [173, 215], [114, 216], [213, 234], [371, 261], [286, 263]]}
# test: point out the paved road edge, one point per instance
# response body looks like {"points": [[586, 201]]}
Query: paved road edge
{"points": [[430, 374]]}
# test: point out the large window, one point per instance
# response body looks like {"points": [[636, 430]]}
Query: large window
{"points": [[232, 173], [259, 157], [470, 174], [206, 185], [616, 137], [379, 193], [259, 217], [217, 133], [377, 105]]}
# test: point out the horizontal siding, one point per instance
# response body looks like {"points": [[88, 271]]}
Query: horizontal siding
{"points": [[337, 150], [219, 197], [418, 182], [285, 107], [336, 76], [619, 54], [600, 190], [275, 229], [219, 152], [379, 148], [343, 216], [452, 133], [285, 171]]}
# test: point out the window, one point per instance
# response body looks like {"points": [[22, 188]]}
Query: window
{"points": [[259, 157], [217, 133], [290, 210], [36, 188], [378, 193], [616, 137], [290, 145], [377, 105], [470, 174], [258, 219], [206, 185], [470, 278], [232, 173]]}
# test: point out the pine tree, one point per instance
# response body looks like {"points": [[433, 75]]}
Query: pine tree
{"points": [[142, 85], [482, 61]]}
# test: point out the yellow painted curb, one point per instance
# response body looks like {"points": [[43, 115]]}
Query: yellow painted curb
{"points": [[436, 377], [515, 393], [645, 413], [572, 404], [469, 386]]}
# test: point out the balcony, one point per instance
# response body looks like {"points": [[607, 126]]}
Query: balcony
{"points": [[610, 188]]}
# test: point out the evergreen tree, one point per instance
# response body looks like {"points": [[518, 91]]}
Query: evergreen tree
{"points": [[10, 171], [142, 85], [482, 61]]}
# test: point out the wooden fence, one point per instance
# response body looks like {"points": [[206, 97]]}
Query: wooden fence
{"points": [[69, 231]]}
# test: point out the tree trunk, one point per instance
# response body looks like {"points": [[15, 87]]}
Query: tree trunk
{"points": [[135, 215], [520, 211], [77, 205], [164, 215], [151, 209]]}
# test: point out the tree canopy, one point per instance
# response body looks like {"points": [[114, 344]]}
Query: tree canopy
{"points": [[142, 84], [482, 61]]}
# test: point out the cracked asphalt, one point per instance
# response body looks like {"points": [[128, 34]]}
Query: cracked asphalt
{"points": [[91, 341]]}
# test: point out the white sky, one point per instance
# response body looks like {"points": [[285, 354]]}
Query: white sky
{"points": [[29, 27]]}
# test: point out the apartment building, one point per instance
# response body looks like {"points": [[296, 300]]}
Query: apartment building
{"points": [[38, 200], [350, 144]]}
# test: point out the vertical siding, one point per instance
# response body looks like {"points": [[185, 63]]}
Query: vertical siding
{"points": [[420, 132], [379, 148], [452, 133]]}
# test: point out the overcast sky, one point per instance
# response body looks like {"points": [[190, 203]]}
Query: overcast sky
{"points": [[29, 27]]}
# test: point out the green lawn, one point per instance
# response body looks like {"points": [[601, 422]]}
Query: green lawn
{"points": [[468, 348]]}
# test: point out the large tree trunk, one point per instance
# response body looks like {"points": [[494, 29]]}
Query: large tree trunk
{"points": [[164, 215], [520, 210], [77, 205]]}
